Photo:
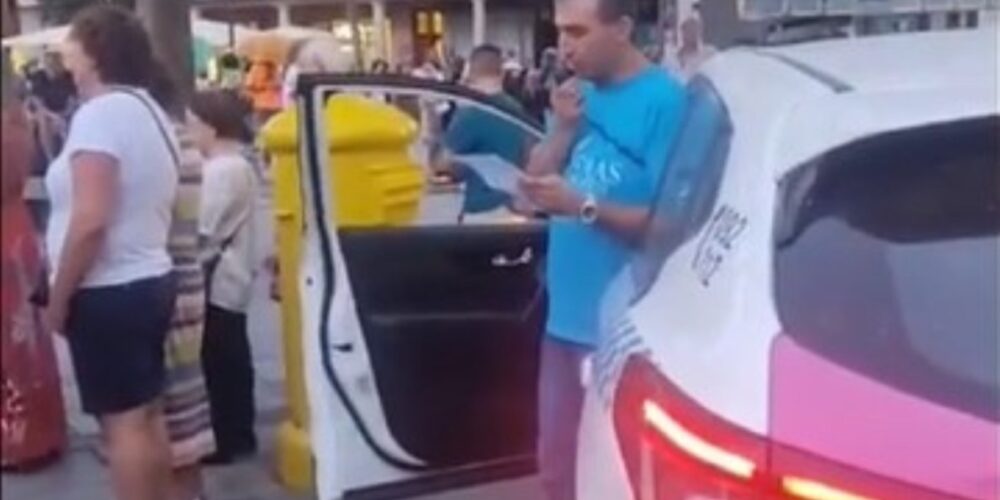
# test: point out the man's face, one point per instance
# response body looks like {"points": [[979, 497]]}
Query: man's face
{"points": [[589, 44], [54, 63], [691, 32], [485, 68]]}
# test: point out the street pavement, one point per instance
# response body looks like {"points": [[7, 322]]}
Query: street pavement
{"points": [[80, 476]]}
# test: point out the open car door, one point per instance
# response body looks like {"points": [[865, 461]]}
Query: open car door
{"points": [[421, 340]]}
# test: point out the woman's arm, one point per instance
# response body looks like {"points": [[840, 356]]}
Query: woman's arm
{"points": [[94, 177]]}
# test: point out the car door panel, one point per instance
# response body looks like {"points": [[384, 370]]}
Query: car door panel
{"points": [[452, 319], [421, 343]]}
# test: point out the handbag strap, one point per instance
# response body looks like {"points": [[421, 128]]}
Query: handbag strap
{"points": [[171, 147]]}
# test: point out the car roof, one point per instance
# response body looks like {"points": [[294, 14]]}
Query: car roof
{"points": [[938, 59], [817, 96]]}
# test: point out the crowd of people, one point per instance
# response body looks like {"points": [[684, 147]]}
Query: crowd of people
{"points": [[150, 236], [151, 208]]}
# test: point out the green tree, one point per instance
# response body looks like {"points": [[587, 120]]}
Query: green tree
{"points": [[169, 26]]}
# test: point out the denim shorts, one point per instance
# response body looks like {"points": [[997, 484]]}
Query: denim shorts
{"points": [[116, 335]]}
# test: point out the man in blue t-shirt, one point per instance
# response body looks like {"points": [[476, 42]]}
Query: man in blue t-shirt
{"points": [[596, 175]]}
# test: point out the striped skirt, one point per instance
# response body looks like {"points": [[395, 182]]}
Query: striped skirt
{"points": [[186, 404]]}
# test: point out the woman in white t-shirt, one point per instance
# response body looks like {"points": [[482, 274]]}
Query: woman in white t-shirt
{"points": [[112, 293], [229, 189]]}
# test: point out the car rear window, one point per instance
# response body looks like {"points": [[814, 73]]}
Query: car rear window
{"points": [[886, 261]]}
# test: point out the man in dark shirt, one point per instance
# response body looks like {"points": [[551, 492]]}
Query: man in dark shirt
{"points": [[473, 131], [54, 85]]}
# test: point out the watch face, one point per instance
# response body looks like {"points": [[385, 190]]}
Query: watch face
{"points": [[588, 212]]}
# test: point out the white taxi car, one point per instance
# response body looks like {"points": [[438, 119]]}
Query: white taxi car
{"points": [[812, 315], [815, 312]]}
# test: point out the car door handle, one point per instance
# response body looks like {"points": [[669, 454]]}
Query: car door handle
{"points": [[505, 262]]}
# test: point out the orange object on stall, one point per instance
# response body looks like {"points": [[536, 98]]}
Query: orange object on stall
{"points": [[263, 86], [32, 417]]}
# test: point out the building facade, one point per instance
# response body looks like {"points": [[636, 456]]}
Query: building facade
{"points": [[29, 15], [403, 31], [11, 24]]}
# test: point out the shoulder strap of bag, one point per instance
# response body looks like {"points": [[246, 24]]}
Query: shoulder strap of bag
{"points": [[171, 147]]}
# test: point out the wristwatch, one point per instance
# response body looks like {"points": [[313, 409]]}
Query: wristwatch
{"points": [[588, 210]]}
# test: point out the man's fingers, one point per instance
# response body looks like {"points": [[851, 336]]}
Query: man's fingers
{"points": [[528, 182], [569, 85], [538, 183]]}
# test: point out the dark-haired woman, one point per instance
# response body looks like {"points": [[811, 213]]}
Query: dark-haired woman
{"points": [[112, 190], [227, 226]]}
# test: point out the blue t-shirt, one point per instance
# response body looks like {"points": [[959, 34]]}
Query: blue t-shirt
{"points": [[619, 157]]}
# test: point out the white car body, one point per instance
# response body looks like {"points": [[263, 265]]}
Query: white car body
{"points": [[787, 106], [420, 342]]}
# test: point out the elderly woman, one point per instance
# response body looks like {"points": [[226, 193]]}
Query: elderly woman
{"points": [[185, 400], [113, 189]]}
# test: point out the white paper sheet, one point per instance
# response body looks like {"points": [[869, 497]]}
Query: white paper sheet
{"points": [[498, 173]]}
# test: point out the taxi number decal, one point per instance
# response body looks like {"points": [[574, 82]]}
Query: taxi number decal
{"points": [[724, 229]]}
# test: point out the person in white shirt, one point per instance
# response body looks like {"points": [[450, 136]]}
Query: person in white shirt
{"points": [[685, 60], [112, 291], [227, 227]]}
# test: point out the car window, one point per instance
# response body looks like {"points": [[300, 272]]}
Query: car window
{"points": [[886, 261], [457, 169], [690, 183], [460, 145]]}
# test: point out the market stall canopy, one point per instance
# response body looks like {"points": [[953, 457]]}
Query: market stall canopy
{"points": [[213, 33], [37, 39], [274, 45], [217, 33]]}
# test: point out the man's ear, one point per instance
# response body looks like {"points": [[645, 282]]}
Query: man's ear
{"points": [[626, 29]]}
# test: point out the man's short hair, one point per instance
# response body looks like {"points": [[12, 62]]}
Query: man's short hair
{"points": [[487, 55], [486, 50], [611, 11]]}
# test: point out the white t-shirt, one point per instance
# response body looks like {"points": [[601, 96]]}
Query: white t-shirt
{"points": [[227, 223], [119, 125]]}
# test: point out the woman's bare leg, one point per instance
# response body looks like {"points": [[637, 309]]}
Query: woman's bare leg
{"points": [[138, 453]]}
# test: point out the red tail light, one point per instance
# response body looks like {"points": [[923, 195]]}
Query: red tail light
{"points": [[697, 448], [676, 450]]}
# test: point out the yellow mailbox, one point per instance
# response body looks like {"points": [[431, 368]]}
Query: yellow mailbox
{"points": [[376, 184]]}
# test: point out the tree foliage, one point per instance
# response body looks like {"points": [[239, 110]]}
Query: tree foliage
{"points": [[61, 11]]}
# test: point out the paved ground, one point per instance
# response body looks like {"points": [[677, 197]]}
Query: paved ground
{"points": [[79, 476]]}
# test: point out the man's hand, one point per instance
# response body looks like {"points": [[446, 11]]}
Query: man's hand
{"points": [[551, 194], [551, 156], [567, 105]]}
